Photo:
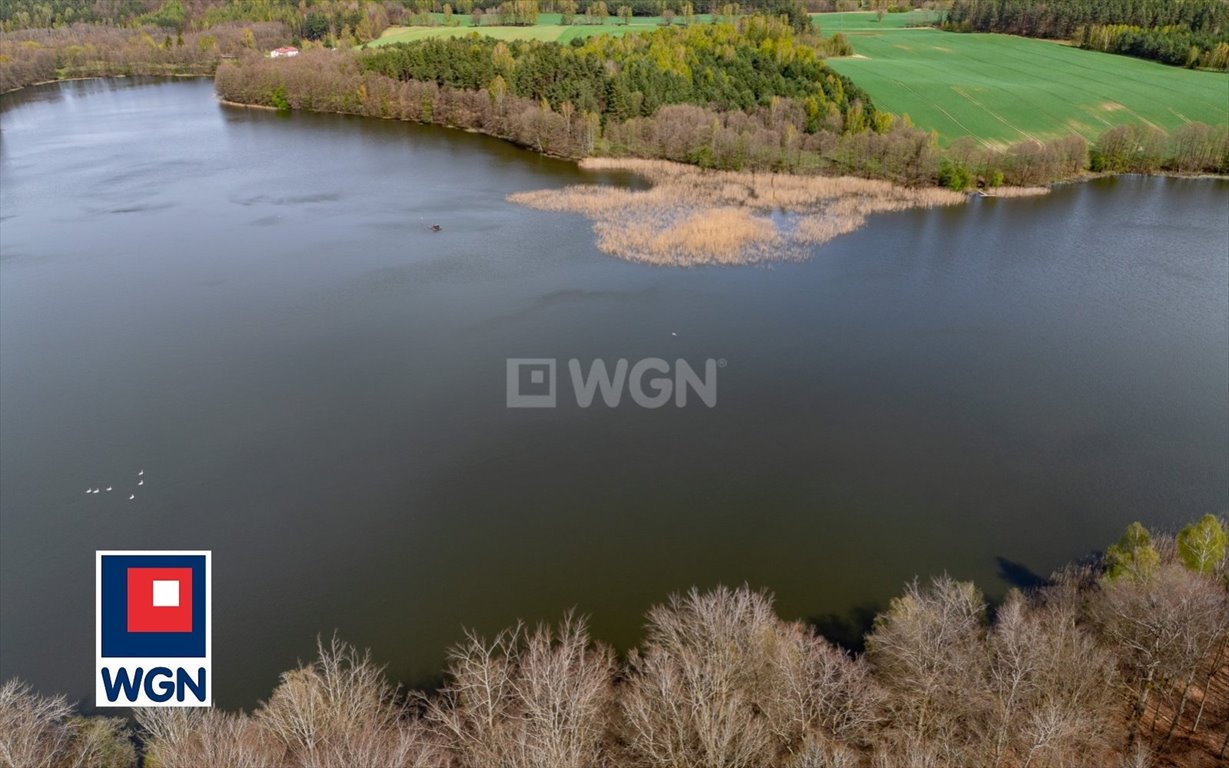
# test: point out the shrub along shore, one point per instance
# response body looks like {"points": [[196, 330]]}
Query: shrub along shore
{"points": [[1120, 661]]}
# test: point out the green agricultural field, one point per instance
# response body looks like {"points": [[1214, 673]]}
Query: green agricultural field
{"points": [[866, 21], [1005, 89], [547, 28]]}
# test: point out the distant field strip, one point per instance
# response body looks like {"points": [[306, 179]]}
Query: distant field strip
{"points": [[848, 22], [547, 28], [1005, 89]]}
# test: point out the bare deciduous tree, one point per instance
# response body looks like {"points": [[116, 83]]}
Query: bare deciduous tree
{"points": [[818, 693], [188, 737], [693, 695], [40, 732], [1164, 629], [1051, 686], [526, 700], [929, 650], [723, 682], [339, 710]]}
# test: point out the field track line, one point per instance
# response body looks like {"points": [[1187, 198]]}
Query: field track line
{"points": [[941, 109], [940, 71], [1054, 89], [994, 114]]}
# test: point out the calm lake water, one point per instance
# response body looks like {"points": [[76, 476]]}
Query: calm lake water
{"points": [[251, 308]]}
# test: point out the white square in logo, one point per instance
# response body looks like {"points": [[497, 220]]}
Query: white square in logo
{"points": [[531, 382], [166, 594]]}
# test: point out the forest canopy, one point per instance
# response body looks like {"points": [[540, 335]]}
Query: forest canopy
{"points": [[719, 66], [1191, 33]]}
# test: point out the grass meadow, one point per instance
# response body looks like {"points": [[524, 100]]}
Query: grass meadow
{"points": [[848, 22]]}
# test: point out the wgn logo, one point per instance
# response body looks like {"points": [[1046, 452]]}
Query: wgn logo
{"points": [[651, 382], [153, 629]]}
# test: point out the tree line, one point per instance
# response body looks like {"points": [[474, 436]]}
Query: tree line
{"points": [[333, 21], [340, 21], [32, 14], [637, 7], [1170, 45], [1119, 661], [94, 50], [1191, 33]]}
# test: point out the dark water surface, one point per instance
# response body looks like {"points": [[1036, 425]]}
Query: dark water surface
{"points": [[250, 307]]}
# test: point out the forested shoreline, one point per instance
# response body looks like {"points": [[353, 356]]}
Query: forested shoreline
{"points": [[1122, 660], [741, 92], [684, 95], [85, 50]]}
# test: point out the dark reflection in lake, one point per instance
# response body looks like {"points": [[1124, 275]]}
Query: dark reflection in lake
{"points": [[252, 309]]}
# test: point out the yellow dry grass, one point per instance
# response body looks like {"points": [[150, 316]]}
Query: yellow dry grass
{"points": [[690, 216], [721, 234], [1016, 192]]}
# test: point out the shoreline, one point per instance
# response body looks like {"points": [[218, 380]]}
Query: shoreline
{"points": [[204, 75], [1085, 176], [241, 105], [1079, 178], [462, 129], [719, 632]]}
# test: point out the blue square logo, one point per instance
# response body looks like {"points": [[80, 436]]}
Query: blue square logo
{"points": [[122, 604]]}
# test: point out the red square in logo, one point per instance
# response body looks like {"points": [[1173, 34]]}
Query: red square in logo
{"points": [[159, 599]]}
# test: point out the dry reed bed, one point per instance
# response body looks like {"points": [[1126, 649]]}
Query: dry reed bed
{"points": [[690, 216], [1015, 192]]}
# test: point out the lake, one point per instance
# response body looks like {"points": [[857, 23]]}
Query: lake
{"points": [[252, 309]]}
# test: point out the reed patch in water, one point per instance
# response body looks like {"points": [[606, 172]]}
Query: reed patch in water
{"points": [[691, 216], [1015, 192]]}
